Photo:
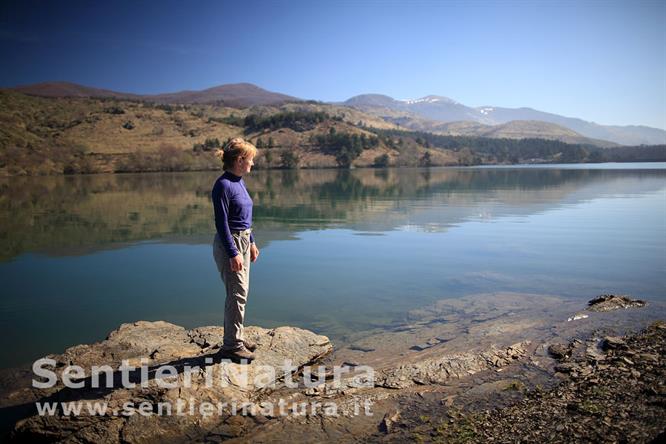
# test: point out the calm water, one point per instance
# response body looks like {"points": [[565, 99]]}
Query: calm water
{"points": [[341, 251]]}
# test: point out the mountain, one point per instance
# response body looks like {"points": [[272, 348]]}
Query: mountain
{"points": [[439, 109], [430, 107], [520, 129], [237, 94], [426, 114], [372, 101], [443, 109], [516, 129], [68, 89], [624, 135]]}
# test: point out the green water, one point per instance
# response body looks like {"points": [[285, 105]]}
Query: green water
{"points": [[341, 251]]}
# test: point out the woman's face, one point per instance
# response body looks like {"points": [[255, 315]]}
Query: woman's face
{"points": [[245, 164]]}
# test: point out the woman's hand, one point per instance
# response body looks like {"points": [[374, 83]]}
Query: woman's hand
{"points": [[236, 263], [254, 252]]}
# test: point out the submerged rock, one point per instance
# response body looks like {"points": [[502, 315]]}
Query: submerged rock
{"points": [[577, 316], [420, 347], [438, 370], [608, 302], [559, 351]]}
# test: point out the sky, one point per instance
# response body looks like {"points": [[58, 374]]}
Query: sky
{"points": [[599, 60]]}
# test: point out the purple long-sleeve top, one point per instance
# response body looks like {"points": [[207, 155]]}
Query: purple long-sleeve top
{"points": [[233, 209]]}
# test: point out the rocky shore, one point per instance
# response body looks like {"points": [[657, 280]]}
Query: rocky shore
{"points": [[612, 390], [500, 367]]}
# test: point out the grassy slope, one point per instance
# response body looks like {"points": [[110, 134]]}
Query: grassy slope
{"points": [[84, 122], [86, 133]]}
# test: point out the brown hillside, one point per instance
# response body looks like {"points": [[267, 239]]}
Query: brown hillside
{"points": [[41, 135], [68, 89], [237, 94]]}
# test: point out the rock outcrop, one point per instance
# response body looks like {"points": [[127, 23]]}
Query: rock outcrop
{"points": [[608, 302], [156, 345], [619, 398]]}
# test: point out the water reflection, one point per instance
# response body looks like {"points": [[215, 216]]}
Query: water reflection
{"points": [[81, 214]]}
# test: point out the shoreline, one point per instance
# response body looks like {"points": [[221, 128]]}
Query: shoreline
{"points": [[329, 167], [456, 354], [609, 389]]}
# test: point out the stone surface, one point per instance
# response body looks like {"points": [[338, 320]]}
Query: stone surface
{"points": [[389, 420], [592, 403], [162, 343], [438, 370], [608, 302], [613, 342], [559, 351]]}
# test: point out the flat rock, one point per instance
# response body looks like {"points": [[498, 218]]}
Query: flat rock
{"points": [[438, 370], [155, 344], [613, 342], [592, 353], [361, 348]]}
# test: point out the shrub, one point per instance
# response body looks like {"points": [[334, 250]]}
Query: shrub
{"points": [[289, 159], [381, 161], [208, 145], [114, 110], [297, 120]]}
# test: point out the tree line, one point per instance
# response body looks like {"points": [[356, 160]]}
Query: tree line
{"points": [[344, 146], [499, 150], [296, 120]]}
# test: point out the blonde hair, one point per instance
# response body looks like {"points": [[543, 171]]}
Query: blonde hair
{"points": [[232, 150]]}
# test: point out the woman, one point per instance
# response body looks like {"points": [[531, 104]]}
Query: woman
{"points": [[233, 246]]}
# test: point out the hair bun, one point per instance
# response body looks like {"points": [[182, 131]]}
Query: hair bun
{"points": [[219, 154]]}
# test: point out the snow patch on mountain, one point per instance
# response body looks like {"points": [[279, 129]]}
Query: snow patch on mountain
{"points": [[429, 99], [423, 100]]}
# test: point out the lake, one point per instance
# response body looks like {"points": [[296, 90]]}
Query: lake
{"points": [[341, 250]]}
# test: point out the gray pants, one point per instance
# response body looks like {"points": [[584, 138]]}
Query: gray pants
{"points": [[237, 284]]}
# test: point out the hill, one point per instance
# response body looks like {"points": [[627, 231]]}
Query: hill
{"points": [[41, 135], [68, 89], [524, 129], [235, 95], [427, 112], [517, 129], [623, 135], [68, 135]]}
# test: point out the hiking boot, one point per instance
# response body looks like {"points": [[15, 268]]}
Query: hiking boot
{"points": [[240, 353], [249, 345]]}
